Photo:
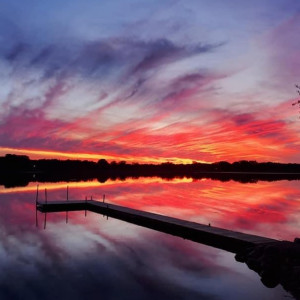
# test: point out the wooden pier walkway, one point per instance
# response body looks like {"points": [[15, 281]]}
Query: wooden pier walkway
{"points": [[228, 240]]}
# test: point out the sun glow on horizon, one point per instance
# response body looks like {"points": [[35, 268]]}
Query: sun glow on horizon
{"points": [[44, 154]]}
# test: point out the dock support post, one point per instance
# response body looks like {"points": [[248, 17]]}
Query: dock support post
{"points": [[46, 195], [37, 195], [85, 205], [36, 203]]}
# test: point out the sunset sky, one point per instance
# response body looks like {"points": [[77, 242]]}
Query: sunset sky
{"points": [[159, 80]]}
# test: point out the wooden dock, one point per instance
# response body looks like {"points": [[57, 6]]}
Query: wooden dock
{"points": [[228, 240]]}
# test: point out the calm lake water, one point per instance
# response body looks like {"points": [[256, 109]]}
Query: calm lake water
{"points": [[92, 257]]}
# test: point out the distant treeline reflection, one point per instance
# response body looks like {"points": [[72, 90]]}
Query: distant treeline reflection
{"points": [[19, 170]]}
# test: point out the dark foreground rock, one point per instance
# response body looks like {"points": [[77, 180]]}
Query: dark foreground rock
{"points": [[276, 263]]}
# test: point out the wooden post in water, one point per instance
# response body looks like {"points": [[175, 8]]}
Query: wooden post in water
{"points": [[45, 220], [37, 195], [67, 193], [36, 202], [85, 205], [46, 195]]}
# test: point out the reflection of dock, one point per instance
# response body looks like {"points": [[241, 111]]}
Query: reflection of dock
{"points": [[216, 237]]}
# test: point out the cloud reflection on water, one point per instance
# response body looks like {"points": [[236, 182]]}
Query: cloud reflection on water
{"points": [[75, 261], [91, 257]]}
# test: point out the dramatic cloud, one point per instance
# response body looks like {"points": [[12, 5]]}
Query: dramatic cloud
{"points": [[171, 85]]}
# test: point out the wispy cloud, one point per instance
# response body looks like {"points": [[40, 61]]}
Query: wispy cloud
{"points": [[191, 91]]}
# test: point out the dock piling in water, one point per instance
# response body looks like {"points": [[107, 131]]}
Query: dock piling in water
{"points": [[37, 195], [46, 195]]}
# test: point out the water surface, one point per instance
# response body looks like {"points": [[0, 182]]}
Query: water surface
{"points": [[79, 256]]}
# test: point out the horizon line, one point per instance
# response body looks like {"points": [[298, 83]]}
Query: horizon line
{"points": [[40, 154]]}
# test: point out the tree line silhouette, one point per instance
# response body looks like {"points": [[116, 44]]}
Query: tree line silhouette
{"points": [[19, 170]]}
